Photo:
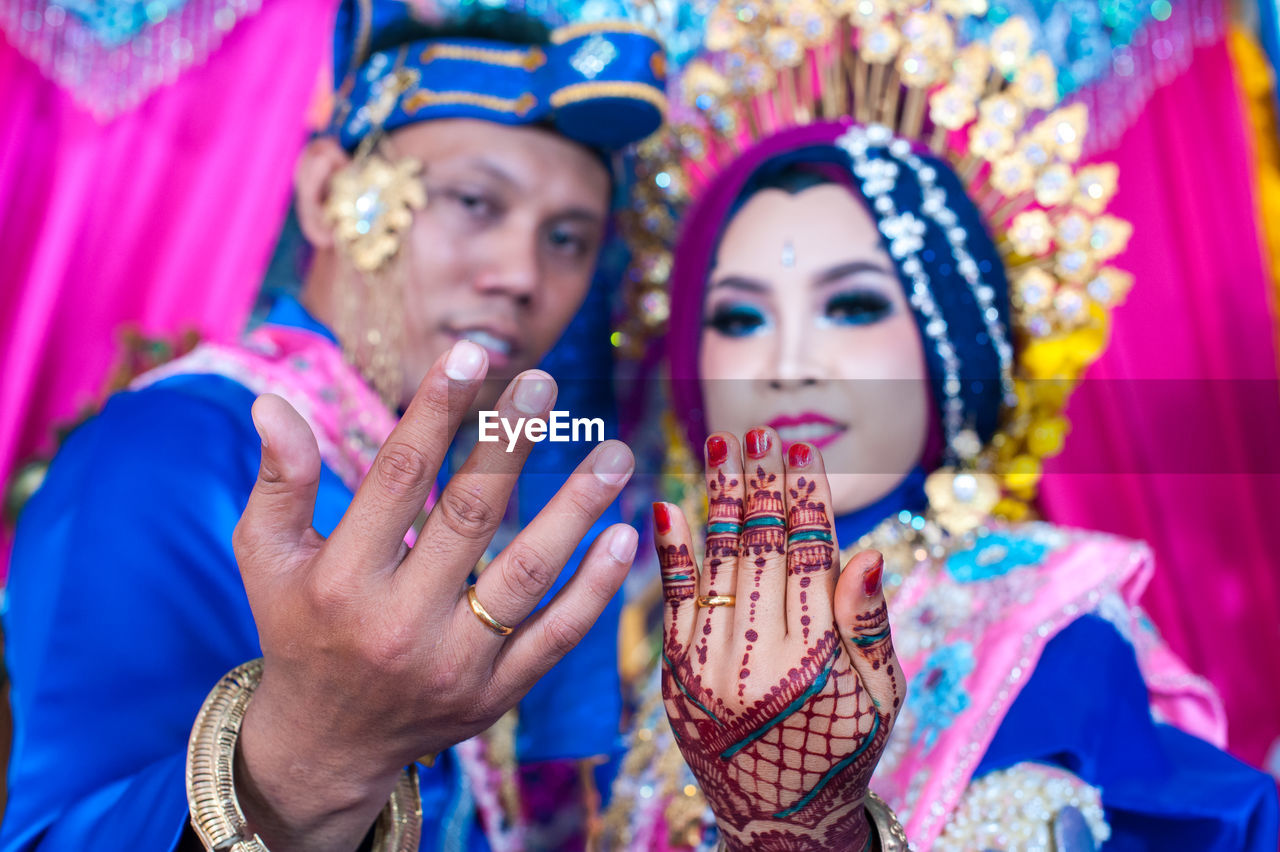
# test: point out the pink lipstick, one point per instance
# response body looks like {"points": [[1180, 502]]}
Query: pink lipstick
{"points": [[810, 427]]}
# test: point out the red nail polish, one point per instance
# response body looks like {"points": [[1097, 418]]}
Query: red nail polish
{"points": [[799, 455], [661, 518], [717, 450], [757, 443], [871, 579]]}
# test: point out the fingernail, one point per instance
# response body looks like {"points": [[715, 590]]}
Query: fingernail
{"points": [[465, 361], [757, 443], [532, 394], [799, 455], [613, 464], [871, 579], [622, 546], [717, 450], [661, 518]]}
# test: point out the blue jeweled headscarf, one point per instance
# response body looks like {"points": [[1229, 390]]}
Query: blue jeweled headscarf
{"points": [[945, 259]]}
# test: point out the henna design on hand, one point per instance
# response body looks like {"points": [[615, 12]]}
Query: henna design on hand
{"points": [[780, 725], [810, 545], [679, 583], [762, 536], [778, 772], [870, 634], [724, 526]]}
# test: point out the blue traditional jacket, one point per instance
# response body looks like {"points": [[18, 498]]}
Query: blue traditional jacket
{"points": [[125, 606]]}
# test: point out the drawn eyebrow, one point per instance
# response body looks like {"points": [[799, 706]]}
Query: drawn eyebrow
{"points": [[834, 273], [740, 282], [853, 267]]}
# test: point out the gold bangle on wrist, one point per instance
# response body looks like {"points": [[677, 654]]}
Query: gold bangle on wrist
{"points": [[211, 794], [893, 837]]}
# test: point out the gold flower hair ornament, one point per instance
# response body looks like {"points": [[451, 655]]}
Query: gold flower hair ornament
{"points": [[990, 109]]}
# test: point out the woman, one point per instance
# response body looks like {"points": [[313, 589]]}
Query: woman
{"points": [[837, 281]]}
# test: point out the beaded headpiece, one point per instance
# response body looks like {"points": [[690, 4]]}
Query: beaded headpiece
{"points": [[897, 72]]}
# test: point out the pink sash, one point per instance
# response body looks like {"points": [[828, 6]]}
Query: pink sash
{"points": [[348, 419], [970, 634]]}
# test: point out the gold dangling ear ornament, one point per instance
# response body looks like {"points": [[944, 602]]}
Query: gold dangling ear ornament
{"points": [[370, 207], [371, 204], [371, 200]]}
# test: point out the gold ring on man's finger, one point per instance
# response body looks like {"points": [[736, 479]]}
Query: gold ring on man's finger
{"points": [[710, 601], [483, 614]]}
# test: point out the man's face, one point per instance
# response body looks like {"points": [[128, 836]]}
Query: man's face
{"points": [[504, 252]]}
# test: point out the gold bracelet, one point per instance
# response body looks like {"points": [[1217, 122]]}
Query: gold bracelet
{"points": [[211, 794], [893, 837]]}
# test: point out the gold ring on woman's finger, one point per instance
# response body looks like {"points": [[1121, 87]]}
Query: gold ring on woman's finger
{"points": [[710, 601], [483, 614]]}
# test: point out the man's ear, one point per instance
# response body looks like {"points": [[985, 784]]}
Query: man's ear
{"points": [[320, 160]]}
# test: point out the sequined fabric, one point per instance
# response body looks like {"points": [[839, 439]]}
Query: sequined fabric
{"points": [[111, 54]]}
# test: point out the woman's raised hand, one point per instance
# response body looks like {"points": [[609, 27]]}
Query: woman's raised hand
{"points": [[781, 684]]}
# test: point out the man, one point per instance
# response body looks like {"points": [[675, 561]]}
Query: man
{"points": [[127, 600]]}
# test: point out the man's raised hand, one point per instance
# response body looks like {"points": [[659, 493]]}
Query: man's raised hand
{"points": [[373, 655]]}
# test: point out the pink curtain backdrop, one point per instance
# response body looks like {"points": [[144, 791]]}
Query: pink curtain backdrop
{"points": [[1176, 434], [164, 217]]}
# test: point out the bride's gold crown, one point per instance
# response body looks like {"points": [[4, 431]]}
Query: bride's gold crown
{"points": [[990, 108]]}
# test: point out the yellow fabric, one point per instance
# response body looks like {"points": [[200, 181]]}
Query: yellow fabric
{"points": [[1256, 80]]}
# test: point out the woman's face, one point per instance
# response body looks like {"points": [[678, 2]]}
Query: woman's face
{"points": [[806, 329]]}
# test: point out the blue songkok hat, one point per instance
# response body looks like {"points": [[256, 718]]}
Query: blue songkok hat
{"points": [[599, 83]]}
